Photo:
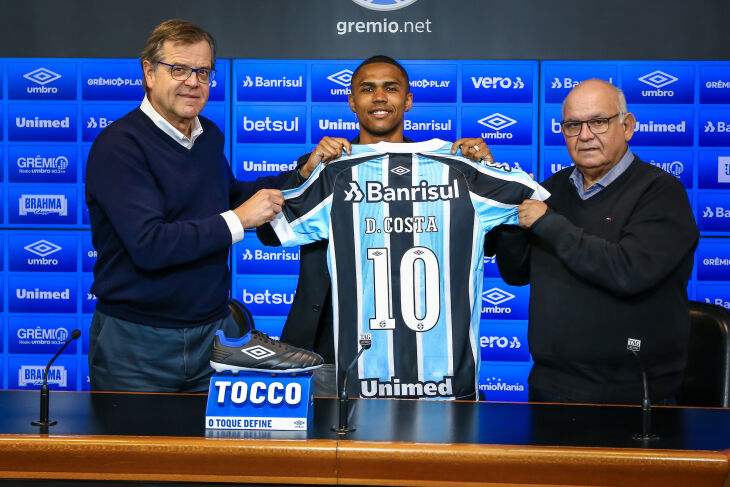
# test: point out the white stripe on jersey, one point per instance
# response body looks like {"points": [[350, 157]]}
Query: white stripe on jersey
{"points": [[335, 300], [358, 275], [447, 279], [389, 333], [417, 284], [477, 252], [491, 202]]}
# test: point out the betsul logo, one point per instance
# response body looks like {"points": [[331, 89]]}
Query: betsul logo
{"points": [[384, 4]]}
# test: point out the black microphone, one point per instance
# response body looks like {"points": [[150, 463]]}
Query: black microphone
{"points": [[365, 343], [634, 346], [45, 392]]}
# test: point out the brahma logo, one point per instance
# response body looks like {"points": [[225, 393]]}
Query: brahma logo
{"points": [[384, 4], [42, 204], [32, 375], [42, 77], [342, 78]]}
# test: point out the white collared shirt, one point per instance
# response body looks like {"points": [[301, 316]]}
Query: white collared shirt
{"points": [[234, 224]]}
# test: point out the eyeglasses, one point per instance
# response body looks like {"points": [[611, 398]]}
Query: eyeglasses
{"points": [[598, 125], [180, 72]]}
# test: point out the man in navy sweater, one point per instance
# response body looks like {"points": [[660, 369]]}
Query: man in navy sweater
{"points": [[607, 257], [165, 209]]}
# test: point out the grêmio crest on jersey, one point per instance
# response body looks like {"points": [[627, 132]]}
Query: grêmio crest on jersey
{"points": [[406, 225]]}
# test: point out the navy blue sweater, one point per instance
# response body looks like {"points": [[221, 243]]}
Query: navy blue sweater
{"points": [[154, 208]]}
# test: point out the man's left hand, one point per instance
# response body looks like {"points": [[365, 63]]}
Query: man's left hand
{"points": [[474, 149], [529, 211]]}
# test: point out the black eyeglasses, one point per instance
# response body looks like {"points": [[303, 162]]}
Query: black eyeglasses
{"points": [[180, 72], [598, 125]]}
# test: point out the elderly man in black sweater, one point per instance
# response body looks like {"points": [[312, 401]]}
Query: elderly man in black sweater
{"points": [[608, 257]]}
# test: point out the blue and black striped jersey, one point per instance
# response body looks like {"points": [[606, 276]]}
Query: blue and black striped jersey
{"points": [[406, 226]]}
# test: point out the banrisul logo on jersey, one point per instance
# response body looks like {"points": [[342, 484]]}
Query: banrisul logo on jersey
{"points": [[42, 204], [27, 373], [714, 294], [504, 342], [678, 163], [425, 122], [42, 252], [271, 123], [714, 169], [42, 294], [646, 83], [331, 82], [715, 84], [42, 81], [252, 257], [503, 302], [271, 82], [498, 83], [333, 121], [504, 382], [254, 162], [46, 123], [384, 4], [96, 118], [713, 260], [267, 296], [432, 82], [713, 212], [118, 80], [715, 127], [560, 78], [42, 163], [663, 126], [33, 334], [498, 125]]}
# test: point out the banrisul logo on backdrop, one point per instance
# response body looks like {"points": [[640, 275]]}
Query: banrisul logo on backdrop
{"points": [[713, 260], [271, 82], [713, 212], [663, 126], [42, 294], [271, 123], [118, 80], [42, 81], [41, 123], [331, 82], [432, 82], [254, 162], [498, 125], [507, 342], [714, 127], [384, 4], [503, 302], [267, 296], [658, 84], [252, 257], [42, 204], [552, 133], [560, 78], [424, 122], [498, 83], [714, 294], [96, 118], [32, 334], [715, 84], [678, 163], [714, 169], [333, 121], [42, 164], [42, 252]]}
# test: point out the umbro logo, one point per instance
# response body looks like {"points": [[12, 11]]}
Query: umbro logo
{"points": [[400, 170], [342, 78], [258, 352], [497, 121], [42, 248], [41, 76], [354, 194], [496, 296], [658, 79]]}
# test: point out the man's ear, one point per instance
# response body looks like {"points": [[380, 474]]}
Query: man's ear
{"points": [[629, 125], [351, 101], [409, 101]]}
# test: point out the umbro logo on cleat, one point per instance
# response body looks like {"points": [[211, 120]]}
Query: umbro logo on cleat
{"points": [[258, 352]]}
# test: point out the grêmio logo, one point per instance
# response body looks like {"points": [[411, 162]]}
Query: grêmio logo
{"points": [[42, 204]]}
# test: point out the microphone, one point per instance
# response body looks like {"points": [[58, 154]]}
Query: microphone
{"points": [[634, 346], [45, 392], [365, 343]]}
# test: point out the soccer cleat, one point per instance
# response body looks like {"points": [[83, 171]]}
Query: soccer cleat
{"points": [[257, 352]]}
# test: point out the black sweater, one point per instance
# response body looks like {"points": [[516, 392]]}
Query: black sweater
{"points": [[603, 270]]}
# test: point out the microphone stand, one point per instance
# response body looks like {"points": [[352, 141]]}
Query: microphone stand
{"points": [[645, 407], [43, 421], [344, 402]]}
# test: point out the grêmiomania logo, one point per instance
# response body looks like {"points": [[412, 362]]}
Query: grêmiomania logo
{"points": [[384, 4]]}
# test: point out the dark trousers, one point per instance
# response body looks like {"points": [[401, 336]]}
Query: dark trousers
{"points": [[541, 395]]}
